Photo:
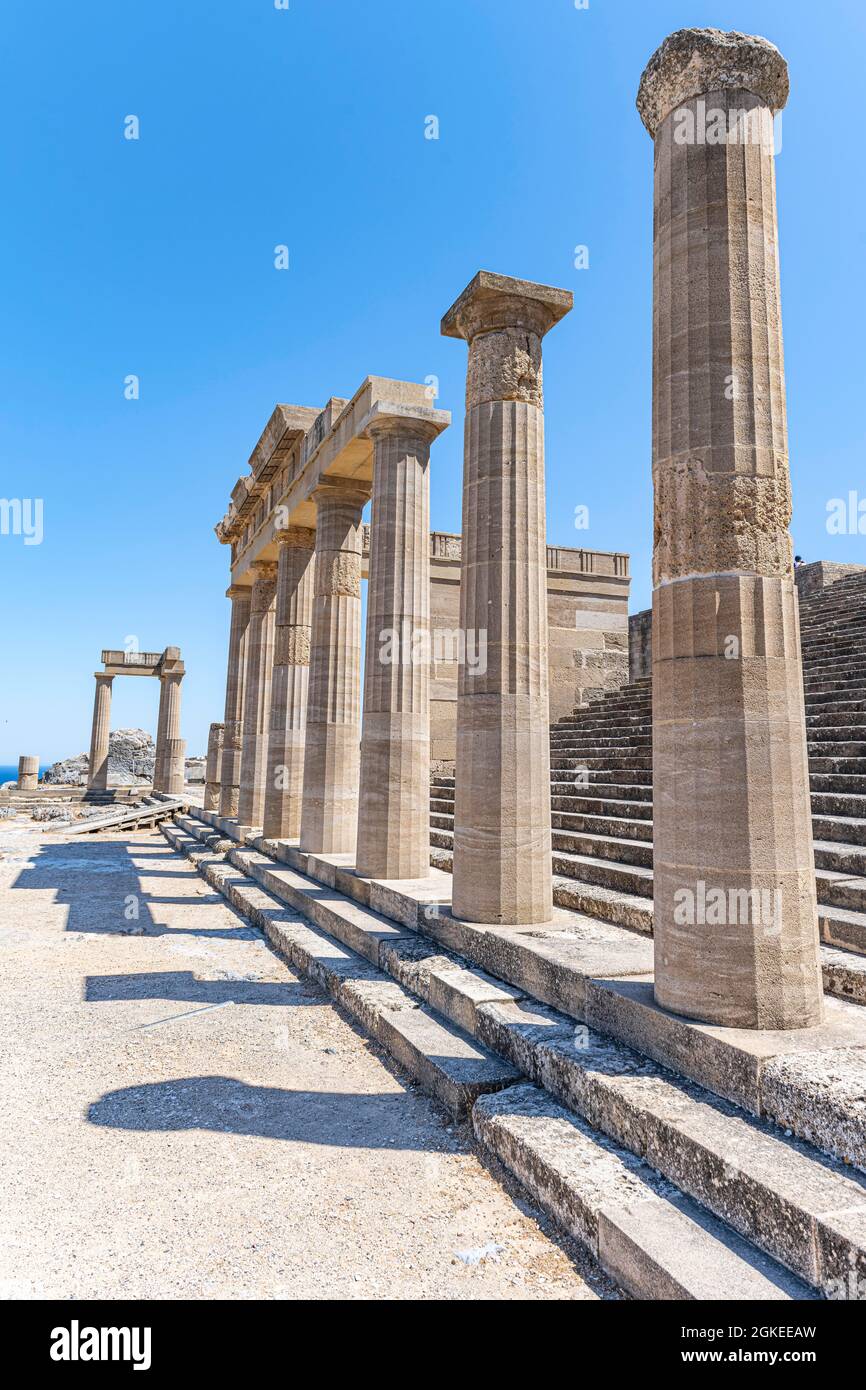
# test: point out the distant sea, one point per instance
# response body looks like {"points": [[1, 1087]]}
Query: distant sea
{"points": [[9, 773]]}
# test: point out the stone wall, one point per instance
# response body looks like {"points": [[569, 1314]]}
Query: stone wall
{"points": [[587, 612], [814, 577]]}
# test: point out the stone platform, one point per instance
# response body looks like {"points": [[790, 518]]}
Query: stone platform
{"points": [[752, 1134]]}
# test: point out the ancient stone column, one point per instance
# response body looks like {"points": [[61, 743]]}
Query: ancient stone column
{"points": [[294, 615], [230, 774], [736, 939], [28, 773], [330, 804], [168, 733], [257, 694], [97, 775], [502, 842], [394, 797], [174, 766], [213, 767]]}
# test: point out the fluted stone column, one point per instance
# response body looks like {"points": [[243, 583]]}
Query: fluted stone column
{"points": [[736, 939], [213, 767], [502, 841], [394, 796], [257, 694], [330, 805], [28, 773], [230, 774], [97, 775], [168, 734], [294, 616], [175, 766]]}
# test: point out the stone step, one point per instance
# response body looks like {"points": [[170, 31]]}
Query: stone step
{"points": [[841, 889], [846, 859], [584, 801], [449, 1064], [777, 1192], [847, 830], [838, 782], [639, 764], [610, 791], [620, 827], [834, 766], [610, 848], [650, 1240], [838, 804]]}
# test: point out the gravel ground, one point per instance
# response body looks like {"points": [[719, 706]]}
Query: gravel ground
{"points": [[182, 1116]]}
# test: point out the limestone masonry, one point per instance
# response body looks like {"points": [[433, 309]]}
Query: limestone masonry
{"points": [[598, 883]]}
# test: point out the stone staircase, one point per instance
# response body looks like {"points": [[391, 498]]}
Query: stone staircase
{"points": [[691, 1163], [601, 792]]}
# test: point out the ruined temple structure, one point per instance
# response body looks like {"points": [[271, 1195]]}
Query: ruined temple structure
{"points": [[293, 689], [168, 668], [613, 961]]}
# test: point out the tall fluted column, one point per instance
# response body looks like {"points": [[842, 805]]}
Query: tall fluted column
{"points": [[502, 840], [230, 774], [168, 739], [213, 768], [330, 805], [294, 615], [257, 695], [736, 939], [97, 775], [394, 797]]}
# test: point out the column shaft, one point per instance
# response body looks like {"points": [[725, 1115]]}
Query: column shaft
{"points": [[394, 798], [230, 775], [502, 835], [213, 767], [97, 776], [168, 735], [294, 612], [735, 916], [330, 804], [257, 695]]}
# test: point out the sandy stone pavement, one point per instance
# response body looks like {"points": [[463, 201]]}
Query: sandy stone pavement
{"points": [[182, 1116]]}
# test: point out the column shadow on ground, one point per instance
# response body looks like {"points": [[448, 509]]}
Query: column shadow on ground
{"points": [[184, 986], [97, 879], [229, 1106]]}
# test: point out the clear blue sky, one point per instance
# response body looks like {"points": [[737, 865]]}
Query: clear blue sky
{"points": [[305, 127]]}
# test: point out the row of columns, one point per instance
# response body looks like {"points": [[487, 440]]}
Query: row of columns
{"points": [[731, 779]]}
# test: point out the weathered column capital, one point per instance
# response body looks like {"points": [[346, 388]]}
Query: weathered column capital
{"points": [[103, 677], [298, 537], [493, 301], [693, 62], [239, 591], [264, 585], [414, 424], [504, 321], [334, 490]]}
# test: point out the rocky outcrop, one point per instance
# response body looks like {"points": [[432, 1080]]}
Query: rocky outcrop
{"points": [[131, 754]]}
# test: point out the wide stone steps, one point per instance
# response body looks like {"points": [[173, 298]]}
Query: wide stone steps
{"points": [[678, 1193]]}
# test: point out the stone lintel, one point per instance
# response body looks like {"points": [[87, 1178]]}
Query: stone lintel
{"points": [[692, 62], [492, 301]]}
